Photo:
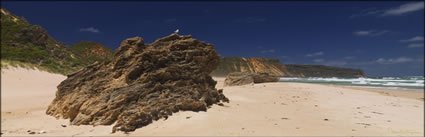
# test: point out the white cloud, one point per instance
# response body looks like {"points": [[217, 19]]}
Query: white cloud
{"points": [[90, 29], [268, 51], [417, 38], [388, 61], [405, 8], [371, 32], [363, 33], [402, 9], [394, 61], [416, 45], [318, 60], [367, 12], [315, 54]]}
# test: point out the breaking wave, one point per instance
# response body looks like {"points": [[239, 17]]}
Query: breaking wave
{"points": [[410, 82]]}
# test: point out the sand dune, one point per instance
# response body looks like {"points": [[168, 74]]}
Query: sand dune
{"points": [[270, 109]]}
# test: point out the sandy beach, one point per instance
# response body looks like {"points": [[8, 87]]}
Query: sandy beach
{"points": [[269, 109]]}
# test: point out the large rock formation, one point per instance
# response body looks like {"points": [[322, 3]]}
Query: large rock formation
{"points": [[244, 78], [141, 83]]}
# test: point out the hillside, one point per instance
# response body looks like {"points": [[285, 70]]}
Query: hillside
{"points": [[24, 43], [90, 52], [274, 67]]}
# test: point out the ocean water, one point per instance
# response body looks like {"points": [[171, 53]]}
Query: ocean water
{"points": [[414, 83]]}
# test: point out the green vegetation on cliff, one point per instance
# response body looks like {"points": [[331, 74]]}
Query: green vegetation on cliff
{"points": [[24, 43], [90, 52]]}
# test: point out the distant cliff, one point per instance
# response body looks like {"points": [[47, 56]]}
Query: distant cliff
{"points": [[240, 64], [274, 67], [324, 71]]}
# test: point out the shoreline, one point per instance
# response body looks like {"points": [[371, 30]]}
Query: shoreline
{"points": [[411, 94], [419, 95], [391, 88], [408, 83], [265, 109]]}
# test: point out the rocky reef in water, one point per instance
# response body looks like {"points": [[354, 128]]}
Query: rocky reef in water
{"points": [[141, 83]]}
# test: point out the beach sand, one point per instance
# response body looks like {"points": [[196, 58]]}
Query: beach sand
{"points": [[269, 109]]}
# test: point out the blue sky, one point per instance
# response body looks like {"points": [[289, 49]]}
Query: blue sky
{"points": [[382, 38]]}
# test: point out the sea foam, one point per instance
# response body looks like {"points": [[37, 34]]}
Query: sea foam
{"points": [[413, 82]]}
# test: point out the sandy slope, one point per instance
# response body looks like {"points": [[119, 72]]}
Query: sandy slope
{"points": [[280, 109]]}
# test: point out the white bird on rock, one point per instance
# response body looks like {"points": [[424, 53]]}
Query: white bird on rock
{"points": [[177, 31]]}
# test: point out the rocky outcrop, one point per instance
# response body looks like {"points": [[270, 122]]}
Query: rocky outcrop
{"points": [[244, 78], [264, 77], [141, 83], [238, 78], [274, 67]]}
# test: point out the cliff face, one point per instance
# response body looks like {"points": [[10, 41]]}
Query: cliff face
{"points": [[253, 65], [274, 67]]}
